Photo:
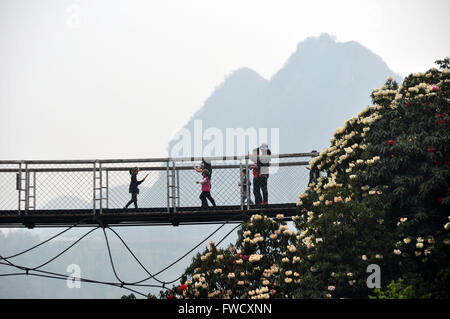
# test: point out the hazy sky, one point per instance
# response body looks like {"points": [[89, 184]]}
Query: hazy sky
{"points": [[115, 79]]}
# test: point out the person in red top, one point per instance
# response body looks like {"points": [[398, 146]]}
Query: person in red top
{"points": [[205, 164], [206, 190], [261, 174]]}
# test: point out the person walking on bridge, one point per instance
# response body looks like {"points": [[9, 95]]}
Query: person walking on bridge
{"points": [[134, 189], [206, 190]]}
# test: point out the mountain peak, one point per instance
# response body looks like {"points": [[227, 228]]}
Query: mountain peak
{"points": [[323, 57], [244, 74], [323, 38], [238, 80]]}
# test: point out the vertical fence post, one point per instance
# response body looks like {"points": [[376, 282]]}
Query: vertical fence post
{"points": [[107, 189], [19, 188], [174, 206], [100, 188], [93, 188], [27, 189], [168, 185], [178, 188], [34, 190], [241, 185], [248, 180]]}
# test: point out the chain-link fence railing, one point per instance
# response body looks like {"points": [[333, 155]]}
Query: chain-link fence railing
{"points": [[31, 187]]}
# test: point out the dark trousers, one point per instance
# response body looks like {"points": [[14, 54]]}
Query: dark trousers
{"points": [[132, 200], [207, 195], [260, 186]]}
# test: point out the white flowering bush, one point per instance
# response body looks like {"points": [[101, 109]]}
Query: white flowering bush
{"points": [[254, 268], [398, 152], [342, 236], [384, 200]]}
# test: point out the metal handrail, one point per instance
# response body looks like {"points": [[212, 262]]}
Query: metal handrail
{"points": [[154, 160], [142, 168]]}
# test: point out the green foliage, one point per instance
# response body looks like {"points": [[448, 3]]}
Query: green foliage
{"points": [[341, 237], [399, 150], [149, 296], [395, 290]]}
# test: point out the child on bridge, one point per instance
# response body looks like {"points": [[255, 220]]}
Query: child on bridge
{"points": [[206, 189], [205, 164], [133, 189]]}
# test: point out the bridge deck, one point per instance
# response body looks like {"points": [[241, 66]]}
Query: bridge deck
{"points": [[140, 216], [70, 192]]}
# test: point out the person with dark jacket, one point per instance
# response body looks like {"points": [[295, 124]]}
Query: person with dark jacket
{"points": [[261, 174], [204, 165], [133, 189]]}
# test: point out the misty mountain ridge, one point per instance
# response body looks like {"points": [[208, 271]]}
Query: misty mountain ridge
{"points": [[322, 84]]}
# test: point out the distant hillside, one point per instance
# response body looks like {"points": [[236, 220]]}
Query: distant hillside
{"points": [[321, 85]]}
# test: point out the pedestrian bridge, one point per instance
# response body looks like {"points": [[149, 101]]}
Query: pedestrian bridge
{"points": [[50, 193]]}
